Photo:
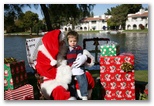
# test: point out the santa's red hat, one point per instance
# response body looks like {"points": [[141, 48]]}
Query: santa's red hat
{"points": [[50, 45]]}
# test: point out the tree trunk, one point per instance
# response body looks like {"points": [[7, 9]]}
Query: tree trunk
{"points": [[30, 31], [47, 17]]}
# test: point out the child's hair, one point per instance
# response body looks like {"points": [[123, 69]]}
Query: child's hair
{"points": [[72, 34]]}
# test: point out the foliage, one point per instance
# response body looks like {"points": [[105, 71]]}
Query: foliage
{"points": [[27, 21], [143, 96], [108, 12], [9, 60], [46, 16], [14, 9], [65, 16], [39, 27], [30, 19], [132, 8], [54, 14], [120, 12], [9, 22]]}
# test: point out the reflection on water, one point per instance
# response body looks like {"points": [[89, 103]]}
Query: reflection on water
{"points": [[136, 43]]}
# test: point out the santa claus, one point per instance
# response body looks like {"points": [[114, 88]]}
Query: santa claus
{"points": [[52, 66]]}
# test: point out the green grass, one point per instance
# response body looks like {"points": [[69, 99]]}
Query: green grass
{"points": [[141, 75], [96, 31]]}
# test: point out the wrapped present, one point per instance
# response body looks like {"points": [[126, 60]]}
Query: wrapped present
{"points": [[15, 75], [110, 49], [24, 92], [117, 77]]}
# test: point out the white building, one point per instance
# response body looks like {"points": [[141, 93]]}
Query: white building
{"points": [[135, 20], [100, 22], [90, 23]]}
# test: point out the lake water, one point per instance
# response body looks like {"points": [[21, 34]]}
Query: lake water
{"points": [[136, 43]]}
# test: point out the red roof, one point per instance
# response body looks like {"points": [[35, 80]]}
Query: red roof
{"points": [[145, 14], [92, 19]]}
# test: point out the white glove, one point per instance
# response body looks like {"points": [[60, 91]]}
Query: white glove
{"points": [[80, 60], [77, 71]]}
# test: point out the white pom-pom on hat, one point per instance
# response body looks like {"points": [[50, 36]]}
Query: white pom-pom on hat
{"points": [[43, 49], [53, 62]]}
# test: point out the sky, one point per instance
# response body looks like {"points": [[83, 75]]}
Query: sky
{"points": [[99, 9]]}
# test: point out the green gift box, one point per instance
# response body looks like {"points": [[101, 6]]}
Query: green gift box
{"points": [[14, 75], [110, 49]]}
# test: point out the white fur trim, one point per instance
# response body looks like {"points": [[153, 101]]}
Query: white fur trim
{"points": [[64, 73], [63, 78], [48, 86], [43, 49], [53, 62], [87, 53]]}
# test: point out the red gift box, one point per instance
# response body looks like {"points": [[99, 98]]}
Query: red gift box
{"points": [[117, 83], [15, 75], [22, 93]]}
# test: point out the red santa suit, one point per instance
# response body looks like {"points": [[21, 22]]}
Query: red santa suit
{"points": [[55, 71]]}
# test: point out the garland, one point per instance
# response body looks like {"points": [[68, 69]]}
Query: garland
{"points": [[9, 60]]}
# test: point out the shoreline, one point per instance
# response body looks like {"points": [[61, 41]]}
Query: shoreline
{"points": [[34, 34]]}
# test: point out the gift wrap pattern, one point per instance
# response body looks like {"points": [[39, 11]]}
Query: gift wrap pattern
{"points": [[14, 75], [110, 49], [22, 93], [117, 77]]}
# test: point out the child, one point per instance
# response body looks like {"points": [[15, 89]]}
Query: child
{"points": [[73, 52]]}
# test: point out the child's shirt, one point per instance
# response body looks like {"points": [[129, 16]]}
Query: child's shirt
{"points": [[72, 54]]}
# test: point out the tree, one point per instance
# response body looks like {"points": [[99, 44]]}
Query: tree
{"points": [[120, 12], [68, 13], [132, 8], [19, 22], [15, 9], [108, 12], [9, 22], [39, 27], [11, 14], [62, 12], [119, 16], [30, 19], [46, 16]]}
